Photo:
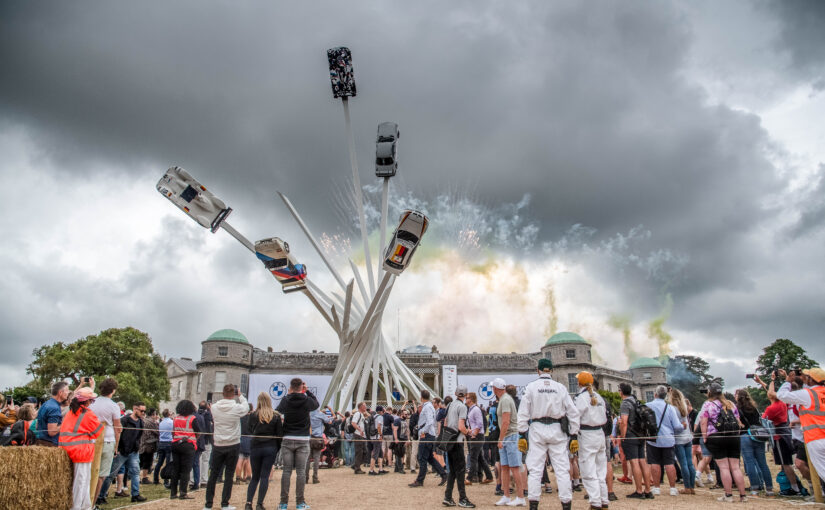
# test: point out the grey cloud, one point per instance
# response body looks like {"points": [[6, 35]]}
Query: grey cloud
{"points": [[801, 36]]}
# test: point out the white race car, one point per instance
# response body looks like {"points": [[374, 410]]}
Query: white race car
{"points": [[193, 198], [386, 149], [405, 240], [274, 253]]}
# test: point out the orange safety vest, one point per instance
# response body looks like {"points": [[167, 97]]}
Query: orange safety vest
{"points": [[78, 433], [813, 418], [184, 431]]}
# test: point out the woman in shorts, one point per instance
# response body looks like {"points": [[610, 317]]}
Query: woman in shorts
{"points": [[724, 445]]}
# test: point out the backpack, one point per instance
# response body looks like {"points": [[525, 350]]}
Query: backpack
{"points": [[369, 426], [350, 429], [607, 428], [726, 421], [414, 425], [642, 420]]}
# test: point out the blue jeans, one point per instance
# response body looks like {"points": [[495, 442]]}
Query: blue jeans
{"points": [[196, 467], [684, 456], [753, 455], [164, 454], [349, 452], [425, 456], [132, 471]]}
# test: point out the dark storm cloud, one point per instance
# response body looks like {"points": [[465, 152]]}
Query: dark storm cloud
{"points": [[583, 106], [802, 36]]}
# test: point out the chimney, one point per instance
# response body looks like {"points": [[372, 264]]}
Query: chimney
{"points": [[269, 349]]}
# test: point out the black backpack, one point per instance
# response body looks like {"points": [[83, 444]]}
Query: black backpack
{"points": [[350, 429], [414, 425], [643, 420], [607, 428], [369, 425], [726, 421]]}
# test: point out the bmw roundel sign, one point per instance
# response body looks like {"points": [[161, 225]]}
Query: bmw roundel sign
{"points": [[277, 391], [485, 391]]}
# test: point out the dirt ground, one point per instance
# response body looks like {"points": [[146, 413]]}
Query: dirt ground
{"points": [[340, 489]]}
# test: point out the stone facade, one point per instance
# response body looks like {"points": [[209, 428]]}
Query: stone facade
{"points": [[228, 358]]}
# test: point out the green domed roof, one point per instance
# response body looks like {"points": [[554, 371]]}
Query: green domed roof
{"points": [[231, 335], [645, 363], [565, 337]]}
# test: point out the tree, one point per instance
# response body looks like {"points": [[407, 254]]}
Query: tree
{"points": [[782, 353], [126, 354], [689, 374], [613, 399]]}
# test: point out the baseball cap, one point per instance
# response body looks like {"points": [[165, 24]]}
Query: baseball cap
{"points": [[816, 373], [715, 389], [461, 390], [84, 394], [498, 383], [379, 409]]}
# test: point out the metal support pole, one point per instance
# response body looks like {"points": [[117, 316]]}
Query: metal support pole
{"points": [[359, 199], [383, 231], [237, 235]]}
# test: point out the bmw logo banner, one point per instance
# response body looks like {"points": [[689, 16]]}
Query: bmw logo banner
{"points": [[480, 384], [277, 385]]}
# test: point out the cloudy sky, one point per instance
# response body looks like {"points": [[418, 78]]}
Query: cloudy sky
{"points": [[586, 166]]}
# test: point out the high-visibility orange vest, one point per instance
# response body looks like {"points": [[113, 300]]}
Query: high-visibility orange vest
{"points": [[813, 418], [184, 431], [78, 433]]}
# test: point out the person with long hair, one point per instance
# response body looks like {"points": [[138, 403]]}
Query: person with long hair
{"points": [[79, 431], [753, 450], [684, 440], [266, 428], [720, 428], [184, 444], [592, 449]]}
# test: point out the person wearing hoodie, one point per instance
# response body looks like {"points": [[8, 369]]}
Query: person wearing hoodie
{"points": [[226, 416], [295, 408]]}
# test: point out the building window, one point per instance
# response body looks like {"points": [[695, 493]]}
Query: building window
{"points": [[589, 355], [245, 354], [647, 376], [648, 396], [223, 351], [220, 381], [570, 353], [548, 356], [200, 382], [180, 389], [244, 384], [572, 383], [609, 386]]}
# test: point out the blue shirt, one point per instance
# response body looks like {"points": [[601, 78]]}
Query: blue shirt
{"points": [[426, 420], [165, 430], [670, 424], [316, 423], [49, 413]]}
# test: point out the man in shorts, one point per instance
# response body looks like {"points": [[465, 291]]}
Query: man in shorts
{"points": [[509, 454], [633, 446], [108, 412]]}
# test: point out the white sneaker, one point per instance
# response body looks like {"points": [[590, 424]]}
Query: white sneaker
{"points": [[674, 491], [503, 501], [725, 499], [655, 491], [517, 502], [698, 482], [228, 508]]}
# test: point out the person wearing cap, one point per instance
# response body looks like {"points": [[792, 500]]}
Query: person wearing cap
{"points": [[544, 405], [456, 419], [592, 449], [78, 433], [509, 454], [811, 406]]}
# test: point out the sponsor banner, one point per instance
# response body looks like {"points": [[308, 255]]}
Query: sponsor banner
{"points": [[276, 386], [480, 384], [448, 379]]}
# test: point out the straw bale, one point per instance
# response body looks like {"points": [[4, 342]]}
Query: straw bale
{"points": [[35, 477]]}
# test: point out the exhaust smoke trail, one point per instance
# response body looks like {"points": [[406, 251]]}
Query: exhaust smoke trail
{"points": [[656, 330]]}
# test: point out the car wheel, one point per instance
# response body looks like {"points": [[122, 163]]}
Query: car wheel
{"points": [[286, 246]]}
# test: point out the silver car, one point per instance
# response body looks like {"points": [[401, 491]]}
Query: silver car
{"points": [[386, 149], [406, 238], [193, 198]]}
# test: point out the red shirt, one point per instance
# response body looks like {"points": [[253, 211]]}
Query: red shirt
{"points": [[778, 414]]}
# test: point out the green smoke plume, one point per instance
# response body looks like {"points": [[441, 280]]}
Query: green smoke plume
{"points": [[656, 330]]}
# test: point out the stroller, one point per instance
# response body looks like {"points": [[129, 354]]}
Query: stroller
{"points": [[329, 455]]}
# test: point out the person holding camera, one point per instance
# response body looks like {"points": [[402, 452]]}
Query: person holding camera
{"points": [[226, 415], [295, 408], [777, 413], [811, 405]]}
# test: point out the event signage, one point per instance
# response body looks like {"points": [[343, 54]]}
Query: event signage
{"points": [[277, 385], [480, 384], [449, 373]]}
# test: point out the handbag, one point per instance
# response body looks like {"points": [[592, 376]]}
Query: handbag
{"points": [[758, 433]]}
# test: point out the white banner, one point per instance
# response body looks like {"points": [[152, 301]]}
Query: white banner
{"points": [[276, 386], [480, 384], [448, 380]]}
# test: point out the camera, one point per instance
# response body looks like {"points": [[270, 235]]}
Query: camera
{"points": [[86, 379], [9, 400], [750, 376], [703, 390]]}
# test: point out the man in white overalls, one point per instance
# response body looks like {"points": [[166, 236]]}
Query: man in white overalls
{"points": [[543, 406]]}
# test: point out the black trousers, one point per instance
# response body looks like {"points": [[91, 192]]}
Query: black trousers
{"points": [[458, 466], [477, 461], [361, 455], [262, 459], [182, 454], [425, 456], [224, 458]]}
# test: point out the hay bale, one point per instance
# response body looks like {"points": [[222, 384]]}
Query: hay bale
{"points": [[35, 477]]}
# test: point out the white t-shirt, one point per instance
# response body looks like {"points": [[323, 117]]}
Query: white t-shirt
{"points": [[358, 419], [107, 412]]}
